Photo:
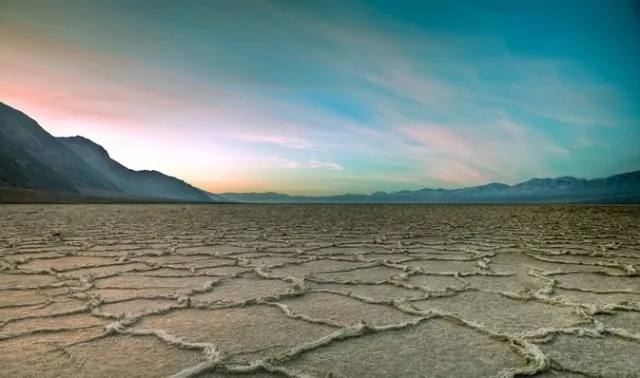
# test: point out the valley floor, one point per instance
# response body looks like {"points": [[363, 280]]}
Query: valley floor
{"points": [[319, 291]]}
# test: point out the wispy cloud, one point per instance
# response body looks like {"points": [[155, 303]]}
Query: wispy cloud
{"points": [[279, 163], [583, 142], [285, 141], [439, 139], [325, 165]]}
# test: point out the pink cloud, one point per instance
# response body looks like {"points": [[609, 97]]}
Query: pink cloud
{"points": [[54, 80], [497, 149]]}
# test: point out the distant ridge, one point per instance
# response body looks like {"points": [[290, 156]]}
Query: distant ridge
{"points": [[621, 188], [31, 158]]}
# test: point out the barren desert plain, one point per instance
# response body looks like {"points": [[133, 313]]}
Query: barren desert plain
{"points": [[319, 291]]}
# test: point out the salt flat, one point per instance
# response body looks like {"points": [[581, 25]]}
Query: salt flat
{"points": [[319, 291]]}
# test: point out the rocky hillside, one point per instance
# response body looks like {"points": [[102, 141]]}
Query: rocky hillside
{"points": [[139, 183], [31, 158]]}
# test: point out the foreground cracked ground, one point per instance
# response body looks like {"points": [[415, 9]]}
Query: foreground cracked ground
{"points": [[319, 291]]}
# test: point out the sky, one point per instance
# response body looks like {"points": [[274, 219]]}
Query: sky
{"points": [[323, 97]]}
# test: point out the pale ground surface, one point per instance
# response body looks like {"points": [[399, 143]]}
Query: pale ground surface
{"points": [[319, 291]]}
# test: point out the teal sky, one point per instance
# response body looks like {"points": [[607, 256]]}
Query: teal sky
{"points": [[322, 96]]}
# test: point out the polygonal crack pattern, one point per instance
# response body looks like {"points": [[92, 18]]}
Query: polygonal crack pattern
{"points": [[319, 291]]}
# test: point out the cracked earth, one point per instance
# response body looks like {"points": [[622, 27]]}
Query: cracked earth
{"points": [[319, 291]]}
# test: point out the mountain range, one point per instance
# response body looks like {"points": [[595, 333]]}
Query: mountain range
{"points": [[621, 188], [34, 164], [31, 158]]}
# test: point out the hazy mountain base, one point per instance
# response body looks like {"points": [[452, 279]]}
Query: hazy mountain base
{"points": [[630, 196], [318, 291], [9, 195]]}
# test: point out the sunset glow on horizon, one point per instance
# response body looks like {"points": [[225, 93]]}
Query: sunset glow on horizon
{"points": [[327, 97]]}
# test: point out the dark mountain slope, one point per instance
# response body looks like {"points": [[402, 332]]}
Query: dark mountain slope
{"points": [[32, 158], [22, 171]]}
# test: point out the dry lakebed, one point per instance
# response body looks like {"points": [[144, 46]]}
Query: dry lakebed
{"points": [[319, 291]]}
